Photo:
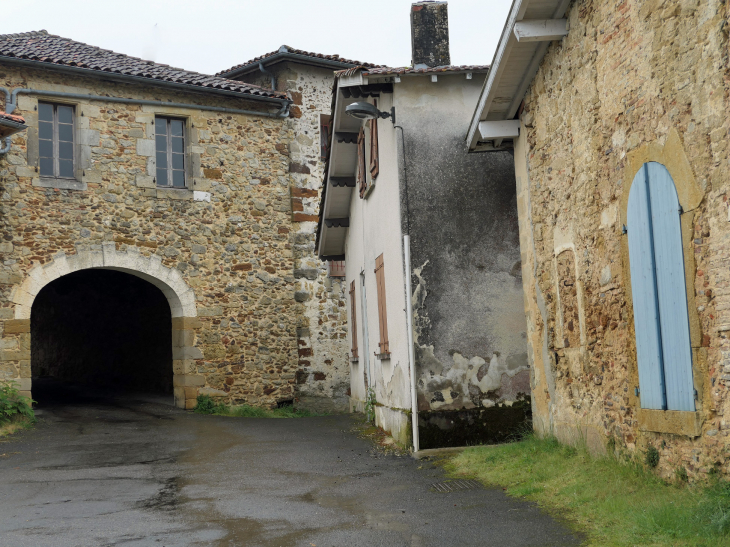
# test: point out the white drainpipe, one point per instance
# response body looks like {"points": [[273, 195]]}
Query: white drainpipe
{"points": [[411, 357]]}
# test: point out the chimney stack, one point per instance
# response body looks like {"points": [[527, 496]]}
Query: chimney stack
{"points": [[430, 34]]}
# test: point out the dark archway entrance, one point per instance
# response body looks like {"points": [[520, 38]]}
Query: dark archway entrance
{"points": [[102, 329]]}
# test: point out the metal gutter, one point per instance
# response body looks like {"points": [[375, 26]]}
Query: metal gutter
{"points": [[283, 112], [113, 76]]}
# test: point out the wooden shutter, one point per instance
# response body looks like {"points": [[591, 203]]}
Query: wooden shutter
{"points": [[661, 321], [353, 320], [374, 161], [382, 310], [671, 288], [362, 180]]}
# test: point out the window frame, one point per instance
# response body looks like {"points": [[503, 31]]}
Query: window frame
{"points": [[353, 319], [55, 140], [169, 170]]}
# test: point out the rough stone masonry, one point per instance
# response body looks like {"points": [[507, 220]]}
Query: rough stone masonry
{"points": [[632, 82], [225, 265]]}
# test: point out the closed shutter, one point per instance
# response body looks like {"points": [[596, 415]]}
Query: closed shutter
{"points": [[374, 160], [362, 180], [661, 320], [384, 346], [353, 320]]}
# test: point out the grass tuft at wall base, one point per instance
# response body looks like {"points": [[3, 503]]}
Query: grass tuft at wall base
{"points": [[614, 503]]}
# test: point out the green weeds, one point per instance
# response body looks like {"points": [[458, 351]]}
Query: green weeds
{"points": [[207, 405], [616, 503], [16, 410]]}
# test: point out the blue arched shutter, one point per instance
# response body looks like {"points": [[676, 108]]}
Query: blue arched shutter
{"points": [[658, 286]]}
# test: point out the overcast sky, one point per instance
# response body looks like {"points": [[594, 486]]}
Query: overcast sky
{"points": [[212, 35]]}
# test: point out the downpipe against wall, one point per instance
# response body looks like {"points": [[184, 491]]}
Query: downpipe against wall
{"points": [[409, 299]]}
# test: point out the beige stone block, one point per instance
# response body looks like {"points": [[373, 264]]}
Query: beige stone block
{"points": [[190, 404], [186, 352], [6, 313], [145, 181], [182, 338], [187, 380], [201, 184], [25, 370], [9, 344], [179, 396], [6, 355], [15, 326], [191, 392], [181, 323], [23, 171], [675, 422], [88, 110], [25, 394], [27, 103], [91, 176], [170, 193], [183, 366]]}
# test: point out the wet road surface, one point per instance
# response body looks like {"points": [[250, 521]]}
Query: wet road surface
{"points": [[133, 471]]}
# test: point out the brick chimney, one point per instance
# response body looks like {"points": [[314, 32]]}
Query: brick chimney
{"points": [[430, 34]]}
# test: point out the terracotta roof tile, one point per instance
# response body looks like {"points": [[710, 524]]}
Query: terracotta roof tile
{"points": [[284, 50], [428, 70], [11, 117], [43, 47]]}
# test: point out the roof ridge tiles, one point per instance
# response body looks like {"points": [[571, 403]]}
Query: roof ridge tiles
{"points": [[284, 50]]}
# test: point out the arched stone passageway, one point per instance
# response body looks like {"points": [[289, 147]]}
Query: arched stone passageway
{"points": [[180, 299], [103, 328]]}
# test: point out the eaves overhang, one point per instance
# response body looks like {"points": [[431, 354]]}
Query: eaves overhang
{"points": [[10, 125], [530, 28]]}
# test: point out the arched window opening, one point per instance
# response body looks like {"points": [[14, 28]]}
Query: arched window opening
{"points": [[661, 321]]}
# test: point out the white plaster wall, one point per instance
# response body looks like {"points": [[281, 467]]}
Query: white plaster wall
{"points": [[375, 228]]}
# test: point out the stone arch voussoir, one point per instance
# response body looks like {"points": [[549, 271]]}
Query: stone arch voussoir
{"points": [[150, 268]]}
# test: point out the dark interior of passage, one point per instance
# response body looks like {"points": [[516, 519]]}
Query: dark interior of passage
{"points": [[103, 328]]}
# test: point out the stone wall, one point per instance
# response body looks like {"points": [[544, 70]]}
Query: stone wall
{"points": [[225, 265], [323, 378], [632, 82]]}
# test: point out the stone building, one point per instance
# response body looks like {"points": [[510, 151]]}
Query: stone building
{"points": [[146, 226], [323, 381], [450, 290], [617, 114]]}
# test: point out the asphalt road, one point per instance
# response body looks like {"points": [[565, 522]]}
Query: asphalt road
{"points": [[132, 471]]}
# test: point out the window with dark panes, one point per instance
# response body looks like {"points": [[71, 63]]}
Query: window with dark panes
{"points": [[170, 148], [56, 140]]}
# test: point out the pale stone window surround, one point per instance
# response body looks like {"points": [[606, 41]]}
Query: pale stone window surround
{"points": [[194, 179], [169, 280], [84, 140], [671, 154]]}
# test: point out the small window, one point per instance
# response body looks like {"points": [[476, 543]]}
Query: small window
{"points": [[170, 149], [56, 140], [324, 135]]}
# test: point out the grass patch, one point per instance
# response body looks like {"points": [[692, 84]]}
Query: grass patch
{"points": [[207, 405], [17, 423], [614, 503], [16, 410]]}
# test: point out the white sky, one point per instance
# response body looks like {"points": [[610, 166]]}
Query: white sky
{"points": [[212, 35]]}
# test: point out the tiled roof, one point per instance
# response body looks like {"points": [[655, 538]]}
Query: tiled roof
{"points": [[42, 47], [427, 70], [285, 51], [11, 117]]}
